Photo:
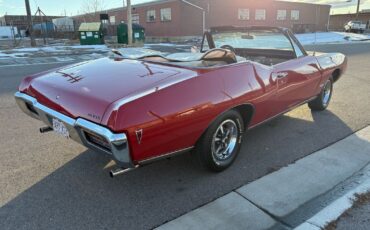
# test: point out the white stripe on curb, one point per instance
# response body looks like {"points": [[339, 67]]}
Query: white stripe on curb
{"points": [[335, 209]]}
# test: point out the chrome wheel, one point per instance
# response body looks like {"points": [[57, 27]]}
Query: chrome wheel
{"points": [[224, 141], [326, 94]]}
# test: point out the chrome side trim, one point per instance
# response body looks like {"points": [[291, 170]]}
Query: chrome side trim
{"points": [[119, 147], [133, 97], [171, 154]]}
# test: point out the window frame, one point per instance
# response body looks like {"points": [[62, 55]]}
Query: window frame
{"points": [[244, 10], [295, 18], [296, 45], [136, 16], [285, 15], [149, 16], [162, 14], [264, 15]]}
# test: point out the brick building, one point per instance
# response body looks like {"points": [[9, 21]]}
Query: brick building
{"points": [[20, 21], [174, 18], [337, 21]]}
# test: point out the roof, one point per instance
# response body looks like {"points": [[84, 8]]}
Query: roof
{"points": [[304, 3], [91, 26], [217, 29], [156, 2], [150, 3]]}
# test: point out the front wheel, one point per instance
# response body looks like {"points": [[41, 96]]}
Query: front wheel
{"points": [[220, 144], [323, 100]]}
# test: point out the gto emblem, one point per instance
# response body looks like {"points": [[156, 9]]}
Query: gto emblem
{"points": [[94, 116], [139, 135]]}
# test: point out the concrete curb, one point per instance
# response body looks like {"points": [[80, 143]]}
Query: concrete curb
{"points": [[335, 209], [266, 202]]}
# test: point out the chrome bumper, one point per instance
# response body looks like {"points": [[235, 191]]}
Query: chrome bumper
{"points": [[77, 128]]}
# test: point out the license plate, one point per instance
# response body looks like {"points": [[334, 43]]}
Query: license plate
{"points": [[60, 128]]}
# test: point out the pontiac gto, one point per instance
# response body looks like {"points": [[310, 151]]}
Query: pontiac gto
{"points": [[144, 108]]}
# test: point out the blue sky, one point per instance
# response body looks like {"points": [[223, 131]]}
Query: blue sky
{"points": [[73, 7]]}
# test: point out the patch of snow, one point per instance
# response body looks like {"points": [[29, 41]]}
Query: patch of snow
{"points": [[97, 47], [330, 37], [60, 48], [13, 55], [164, 44]]}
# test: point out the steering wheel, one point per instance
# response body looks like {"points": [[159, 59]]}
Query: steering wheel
{"points": [[228, 47]]}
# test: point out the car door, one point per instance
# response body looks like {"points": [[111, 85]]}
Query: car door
{"points": [[297, 79]]}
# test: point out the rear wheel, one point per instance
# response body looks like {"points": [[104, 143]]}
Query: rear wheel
{"points": [[220, 144], [323, 100]]}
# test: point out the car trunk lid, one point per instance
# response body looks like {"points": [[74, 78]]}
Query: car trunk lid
{"points": [[87, 89]]}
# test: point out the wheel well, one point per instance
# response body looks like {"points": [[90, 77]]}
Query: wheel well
{"points": [[247, 112], [336, 74]]}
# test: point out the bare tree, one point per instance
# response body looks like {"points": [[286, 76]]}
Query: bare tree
{"points": [[91, 8]]}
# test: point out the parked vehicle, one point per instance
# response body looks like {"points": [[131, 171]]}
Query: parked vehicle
{"points": [[355, 26], [138, 110]]}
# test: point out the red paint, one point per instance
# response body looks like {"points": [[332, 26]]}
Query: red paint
{"points": [[175, 117]]}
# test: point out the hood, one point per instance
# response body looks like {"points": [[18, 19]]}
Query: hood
{"points": [[87, 89]]}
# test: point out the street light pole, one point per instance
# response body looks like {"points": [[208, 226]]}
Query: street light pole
{"points": [[29, 20], [358, 9], [129, 22]]}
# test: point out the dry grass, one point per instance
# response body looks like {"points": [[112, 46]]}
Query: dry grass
{"points": [[359, 200]]}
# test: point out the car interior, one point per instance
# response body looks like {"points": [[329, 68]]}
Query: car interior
{"points": [[212, 56]]}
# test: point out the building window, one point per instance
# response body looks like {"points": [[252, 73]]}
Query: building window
{"points": [[135, 18], [112, 20], [260, 15], [166, 14], [281, 15], [150, 16], [243, 14], [294, 15]]}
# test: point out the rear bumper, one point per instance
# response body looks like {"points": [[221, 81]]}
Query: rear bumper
{"points": [[79, 130]]}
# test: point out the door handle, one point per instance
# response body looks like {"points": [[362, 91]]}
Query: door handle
{"points": [[281, 75]]}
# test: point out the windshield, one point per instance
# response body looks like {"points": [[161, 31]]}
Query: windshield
{"points": [[253, 40]]}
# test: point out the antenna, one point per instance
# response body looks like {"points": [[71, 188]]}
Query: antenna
{"points": [[316, 22]]}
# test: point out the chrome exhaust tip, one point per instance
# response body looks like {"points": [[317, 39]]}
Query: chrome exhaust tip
{"points": [[45, 129], [120, 171]]}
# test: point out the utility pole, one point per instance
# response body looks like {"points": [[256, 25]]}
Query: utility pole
{"points": [[358, 9], [129, 22], [29, 19]]}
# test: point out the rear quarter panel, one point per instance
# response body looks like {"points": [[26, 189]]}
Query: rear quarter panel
{"points": [[175, 117], [330, 62]]}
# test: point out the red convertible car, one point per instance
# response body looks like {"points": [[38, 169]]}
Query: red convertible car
{"points": [[138, 109]]}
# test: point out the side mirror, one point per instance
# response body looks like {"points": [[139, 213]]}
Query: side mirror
{"points": [[195, 49]]}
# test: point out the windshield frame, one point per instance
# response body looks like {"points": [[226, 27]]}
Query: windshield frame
{"points": [[296, 46]]}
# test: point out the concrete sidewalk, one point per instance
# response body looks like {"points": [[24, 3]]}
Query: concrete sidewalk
{"points": [[267, 202]]}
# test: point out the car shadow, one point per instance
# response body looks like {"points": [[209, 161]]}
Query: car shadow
{"points": [[81, 195]]}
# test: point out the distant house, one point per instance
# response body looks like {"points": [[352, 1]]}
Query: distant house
{"points": [[174, 18], [8, 32], [20, 21]]}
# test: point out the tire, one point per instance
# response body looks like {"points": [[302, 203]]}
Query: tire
{"points": [[220, 144], [322, 101]]}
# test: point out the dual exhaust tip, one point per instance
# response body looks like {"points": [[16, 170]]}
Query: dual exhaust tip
{"points": [[120, 171], [45, 129], [112, 173]]}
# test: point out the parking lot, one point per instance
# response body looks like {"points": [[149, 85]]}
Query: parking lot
{"points": [[51, 183]]}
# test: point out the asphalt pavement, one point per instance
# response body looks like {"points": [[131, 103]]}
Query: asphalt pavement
{"points": [[51, 183]]}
